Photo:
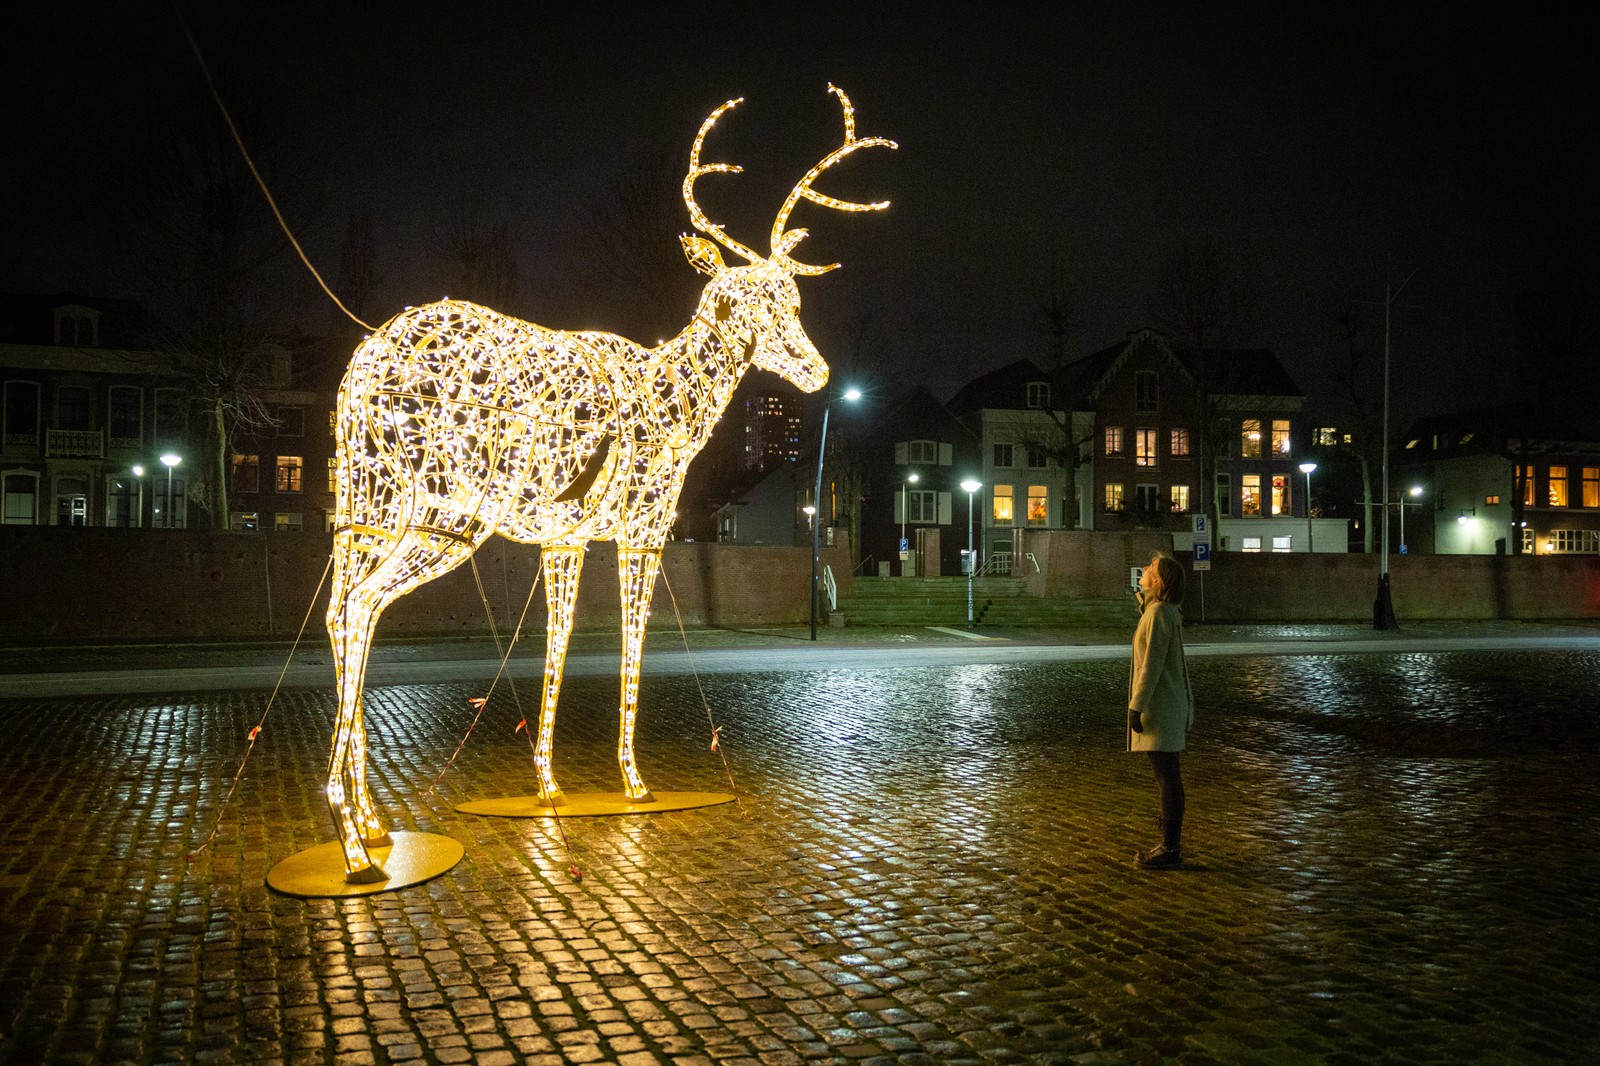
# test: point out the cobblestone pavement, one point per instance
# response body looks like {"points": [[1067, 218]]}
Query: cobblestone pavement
{"points": [[1393, 858]]}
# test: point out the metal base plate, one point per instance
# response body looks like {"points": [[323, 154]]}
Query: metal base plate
{"points": [[592, 804], [318, 873]]}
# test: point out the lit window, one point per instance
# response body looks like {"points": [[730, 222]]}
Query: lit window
{"points": [[1114, 500], [1413, 442], [1325, 436], [1250, 544], [1280, 438], [1281, 544], [244, 521], [1250, 495], [1280, 494], [1525, 475], [1558, 486], [1250, 438], [1114, 441], [1180, 498], [1144, 447], [1004, 508], [287, 523], [247, 474], [288, 473], [1492, 500], [1180, 442], [1591, 486], [333, 474], [1038, 506]]}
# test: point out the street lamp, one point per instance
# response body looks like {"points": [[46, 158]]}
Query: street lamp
{"points": [[971, 486], [169, 461], [905, 508], [852, 395], [138, 505], [1306, 468], [1416, 490]]}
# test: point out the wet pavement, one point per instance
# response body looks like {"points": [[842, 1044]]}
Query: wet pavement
{"points": [[1392, 858]]}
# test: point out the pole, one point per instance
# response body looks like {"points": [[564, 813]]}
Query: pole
{"points": [[1311, 542], [168, 523], [816, 525], [905, 505], [971, 485], [1402, 523], [1383, 605]]}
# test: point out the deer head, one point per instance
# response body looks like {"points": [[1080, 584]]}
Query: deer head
{"points": [[758, 305]]}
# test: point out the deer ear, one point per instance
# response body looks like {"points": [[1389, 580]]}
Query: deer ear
{"points": [[787, 242], [702, 254]]}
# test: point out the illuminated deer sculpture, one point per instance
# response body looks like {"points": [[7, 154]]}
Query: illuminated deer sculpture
{"points": [[456, 422]]}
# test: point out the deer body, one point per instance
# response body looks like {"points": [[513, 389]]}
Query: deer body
{"points": [[456, 422]]}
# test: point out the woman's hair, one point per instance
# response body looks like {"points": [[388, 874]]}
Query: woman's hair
{"points": [[1170, 578]]}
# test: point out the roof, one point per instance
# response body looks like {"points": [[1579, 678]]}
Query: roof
{"points": [[1006, 387], [29, 318], [1225, 371], [1490, 430]]}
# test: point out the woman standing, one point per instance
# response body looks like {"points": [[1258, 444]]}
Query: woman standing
{"points": [[1160, 700]]}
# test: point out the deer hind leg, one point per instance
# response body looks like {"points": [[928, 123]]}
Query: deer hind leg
{"points": [[364, 585], [637, 571], [563, 565]]}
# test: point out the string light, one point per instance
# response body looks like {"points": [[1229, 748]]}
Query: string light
{"points": [[456, 422]]}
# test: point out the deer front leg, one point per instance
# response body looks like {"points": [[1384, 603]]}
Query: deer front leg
{"points": [[563, 565], [637, 571], [350, 627]]}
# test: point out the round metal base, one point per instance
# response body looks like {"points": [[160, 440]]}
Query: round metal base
{"points": [[592, 804], [318, 873]]}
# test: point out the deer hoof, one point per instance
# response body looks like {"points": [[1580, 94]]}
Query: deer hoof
{"points": [[370, 876], [644, 797], [382, 840]]}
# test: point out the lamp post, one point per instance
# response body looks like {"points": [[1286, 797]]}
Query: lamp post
{"points": [[1416, 490], [169, 461], [1306, 468], [138, 504], [1383, 604], [816, 526], [905, 509], [971, 485]]}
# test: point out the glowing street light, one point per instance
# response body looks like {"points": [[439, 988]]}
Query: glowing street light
{"points": [[1416, 490], [1306, 468], [169, 461], [905, 509], [851, 394], [138, 506], [971, 485]]}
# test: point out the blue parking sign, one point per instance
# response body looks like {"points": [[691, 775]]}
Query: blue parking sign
{"points": [[1202, 555]]}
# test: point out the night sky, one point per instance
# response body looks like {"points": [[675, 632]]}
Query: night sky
{"points": [[1312, 146]]}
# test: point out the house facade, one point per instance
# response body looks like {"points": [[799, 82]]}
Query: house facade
{"points": [[1158, 414], [1029, 449], [1503, 480], [90, 408]]}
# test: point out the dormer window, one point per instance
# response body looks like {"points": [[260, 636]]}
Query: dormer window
{"points": [[1038, 394], [77, 326]]}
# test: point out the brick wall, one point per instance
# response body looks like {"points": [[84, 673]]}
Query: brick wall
{"points": [[113, 585], [1264, 587]]}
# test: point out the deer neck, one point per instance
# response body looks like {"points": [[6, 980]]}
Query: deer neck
{"points": [[689, 381]]}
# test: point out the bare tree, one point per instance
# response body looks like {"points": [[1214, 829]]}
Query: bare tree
{"points": [[220, 276], [1352, 378], [1204, 306], [479, 258]]}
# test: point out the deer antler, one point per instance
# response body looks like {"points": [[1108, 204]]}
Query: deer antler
{"points": [[784, 242], [697, 217]]}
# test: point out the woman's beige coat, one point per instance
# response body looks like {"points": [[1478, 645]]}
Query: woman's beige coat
{"points": [[1158, 680]]}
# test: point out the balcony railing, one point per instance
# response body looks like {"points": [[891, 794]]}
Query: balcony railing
{"points": [[75, 444]]}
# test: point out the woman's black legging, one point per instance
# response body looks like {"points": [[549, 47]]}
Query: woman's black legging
{"points": [[1169, 793]]}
